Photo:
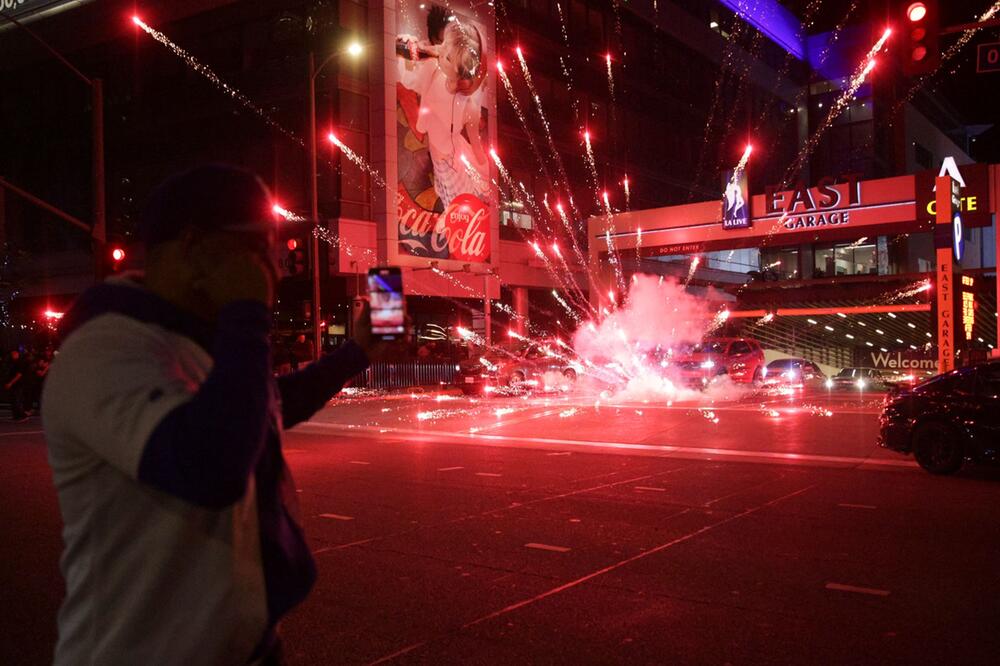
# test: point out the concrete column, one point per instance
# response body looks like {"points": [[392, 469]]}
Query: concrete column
{"points": [[521, 309]]}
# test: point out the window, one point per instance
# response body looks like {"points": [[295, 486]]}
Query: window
{"points": [[514, 220], [739, 347], [845, 259], [779, 264]]}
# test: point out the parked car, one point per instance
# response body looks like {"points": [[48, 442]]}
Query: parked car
{"points": [[947, 419], [793, 373], [741, 359], [896, 380], [857, 379], [542, 365]]}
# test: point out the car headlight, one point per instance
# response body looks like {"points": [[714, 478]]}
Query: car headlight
{"points": [[763, 372], [829, 383], [708, 365], [861, 383]]}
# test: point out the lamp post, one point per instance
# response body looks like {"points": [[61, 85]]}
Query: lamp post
{"points": [[354, 50]]}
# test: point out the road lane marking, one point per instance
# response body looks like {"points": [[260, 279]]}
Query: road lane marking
{"points": [[358, 462], [696, 452], [545, 546], [509, 507], [449, 469], [335, 516], [860, 590], [595, 574], [490, 474], [858, 506], [652, 488]]}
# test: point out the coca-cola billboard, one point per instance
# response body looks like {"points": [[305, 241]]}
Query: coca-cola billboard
{"points": [[444, 184], [461, 232]]}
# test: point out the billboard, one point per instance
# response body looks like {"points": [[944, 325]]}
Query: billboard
{"points": [[444, 191], [735, 200]]}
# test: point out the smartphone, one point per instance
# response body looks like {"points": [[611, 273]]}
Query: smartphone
{"points": [[388, 307]]}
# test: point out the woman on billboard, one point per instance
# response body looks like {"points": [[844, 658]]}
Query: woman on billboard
{"points": [[447, 71]]}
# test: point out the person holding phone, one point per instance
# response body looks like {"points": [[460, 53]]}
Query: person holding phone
{"points": [[164, 423]]}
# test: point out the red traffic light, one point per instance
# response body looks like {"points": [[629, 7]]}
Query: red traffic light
{"points": [[118, 254], [921, 53], [916, 12], [292, 244]]}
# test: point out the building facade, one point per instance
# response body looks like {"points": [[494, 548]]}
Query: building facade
{"points": [[636, 105]]}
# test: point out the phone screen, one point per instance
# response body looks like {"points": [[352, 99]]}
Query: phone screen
{"points": [[385, 294]]}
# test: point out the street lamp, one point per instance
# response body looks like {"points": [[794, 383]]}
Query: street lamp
{"points": [[354, 49]]}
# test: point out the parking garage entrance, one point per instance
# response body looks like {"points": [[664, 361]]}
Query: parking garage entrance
{"points": [[895, 272]]}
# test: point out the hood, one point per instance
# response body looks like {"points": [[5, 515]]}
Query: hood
{"points": [[700, 357], [126, 295]]}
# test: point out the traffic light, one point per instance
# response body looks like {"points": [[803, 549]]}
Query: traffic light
{"points": [[922, 28], [114, 258], [293, 249]]}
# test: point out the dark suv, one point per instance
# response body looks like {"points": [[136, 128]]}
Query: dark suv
{"points": [[947, 419]]}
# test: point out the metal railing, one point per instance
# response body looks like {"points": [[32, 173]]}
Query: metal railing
{"points": [[404, 375]]}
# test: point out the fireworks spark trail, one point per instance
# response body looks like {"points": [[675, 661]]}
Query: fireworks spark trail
{"points": [[967, 35], [742, 164], [693, 268], [287, 214], [721, 317], [562, 215], [512, 98], [357, 159], [352, 251], [455, 281], [857, 79], [910, 291], [474, 174], [545, 123], [615, 260], [566, 306], [725, 66], [591, 164], [611, 78], [628, 194], [948, 54], [516, 189], [557, 275], [563, 63], [209, 73], [808, 16], [577, 250]]}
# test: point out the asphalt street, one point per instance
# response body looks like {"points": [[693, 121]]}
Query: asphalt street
{"points": [[763, 529]]}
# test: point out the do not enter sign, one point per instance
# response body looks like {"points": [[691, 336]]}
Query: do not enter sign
{"points": [[988, 57]]}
